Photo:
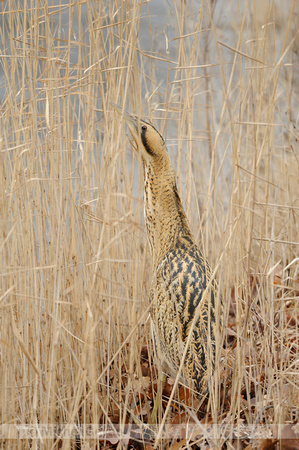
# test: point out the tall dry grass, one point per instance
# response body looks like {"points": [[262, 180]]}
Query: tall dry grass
{"points": [[75, 263]]}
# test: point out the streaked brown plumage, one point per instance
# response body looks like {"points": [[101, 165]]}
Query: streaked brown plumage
{"points": [[181, 272]]}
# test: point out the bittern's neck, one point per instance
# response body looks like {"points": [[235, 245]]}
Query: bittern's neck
{"points": [[166, 221]]}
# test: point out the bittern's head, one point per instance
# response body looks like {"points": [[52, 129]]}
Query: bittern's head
{"points": [[149, 141]]}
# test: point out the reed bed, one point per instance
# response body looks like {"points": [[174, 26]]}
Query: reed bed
{"points": [[75, 342]]}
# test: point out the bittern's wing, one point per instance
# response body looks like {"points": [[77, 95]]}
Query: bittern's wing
{"points": [[184, 277]]}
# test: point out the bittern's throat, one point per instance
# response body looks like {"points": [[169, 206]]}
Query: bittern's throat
{"points": [[165, 217]]}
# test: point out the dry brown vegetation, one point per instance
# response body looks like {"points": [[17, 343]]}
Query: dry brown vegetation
{"points": [[75, 343]]}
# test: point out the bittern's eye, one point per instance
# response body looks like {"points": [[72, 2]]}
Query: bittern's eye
{"points": [[144, 127]]}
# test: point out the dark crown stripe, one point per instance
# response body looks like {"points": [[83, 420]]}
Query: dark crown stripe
{"points": [[145, 143]]}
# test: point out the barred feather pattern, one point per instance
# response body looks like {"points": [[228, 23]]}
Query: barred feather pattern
{"points": [[179, 296]]}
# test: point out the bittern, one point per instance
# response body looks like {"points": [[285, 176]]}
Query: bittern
{"points": [[183, 289]]}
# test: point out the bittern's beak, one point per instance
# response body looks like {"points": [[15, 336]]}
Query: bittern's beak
{"points": [[132, 121]]}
